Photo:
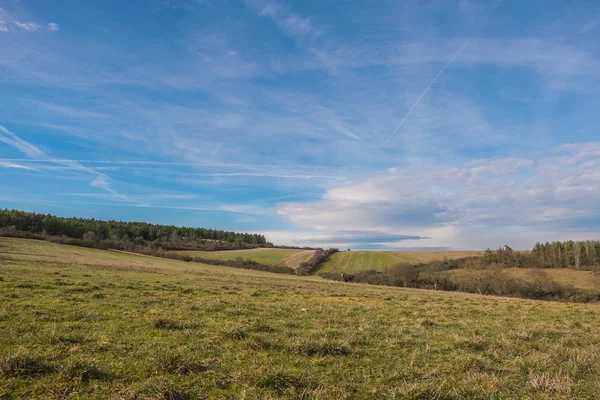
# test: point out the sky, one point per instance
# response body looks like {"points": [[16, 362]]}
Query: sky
{"points": [[366, 125]]}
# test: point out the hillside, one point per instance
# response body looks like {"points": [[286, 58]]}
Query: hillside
{"points": [[270, 256], [354, 261], [86, 323]]}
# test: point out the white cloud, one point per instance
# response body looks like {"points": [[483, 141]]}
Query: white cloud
{"points": [[288, 21], [27, 26], [470, 205], [3, 21]]}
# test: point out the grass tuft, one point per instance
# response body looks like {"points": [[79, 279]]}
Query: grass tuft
{"points": [[69, 339], [546, 382], [280, 382], [322, 349], [169, 324], [27, 285], [262, 328], [174, 362], [85, 371], [21, 365], [236, 333], [177, 394]]}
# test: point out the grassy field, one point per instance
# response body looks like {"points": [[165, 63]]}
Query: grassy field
{"points": [[586, 281], [583, 280], [354, 261], [89, 324], [288, 257]]}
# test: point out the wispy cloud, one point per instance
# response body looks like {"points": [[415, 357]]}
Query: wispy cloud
{"points": [[3, 21], [27, 26], [287, 20], [7, 20], [100, 180], [24, 147], [7, 164], [169, 163]]}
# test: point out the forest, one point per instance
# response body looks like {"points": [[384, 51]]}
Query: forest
{"points": [[568, 254], [92, 232]]}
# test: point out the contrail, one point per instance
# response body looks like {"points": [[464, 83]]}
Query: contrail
{"points": [[135, 162], [163, 163], [466, 42]]}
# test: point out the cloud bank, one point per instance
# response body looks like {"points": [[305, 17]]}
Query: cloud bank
{"points": [[465, 205]]}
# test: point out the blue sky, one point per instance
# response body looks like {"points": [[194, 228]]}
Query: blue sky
{"points": [[451, 124]]}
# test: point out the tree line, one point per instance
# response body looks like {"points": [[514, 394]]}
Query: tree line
{"points": [[568, 254], [139, 233]]}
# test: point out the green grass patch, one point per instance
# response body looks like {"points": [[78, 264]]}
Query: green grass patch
{"points": [[289, 257], [355, 261], [173, 330]]}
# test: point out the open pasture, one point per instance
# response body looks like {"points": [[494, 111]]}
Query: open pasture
{"points": [[81, 323], [355, 261], [288, 257]]}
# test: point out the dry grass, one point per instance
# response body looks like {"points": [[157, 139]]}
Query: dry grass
{"points": [[294, 260], [583, 280], [81, 323], [586, 281], [437, 255]]}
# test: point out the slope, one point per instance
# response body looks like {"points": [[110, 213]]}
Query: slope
{"points": [[270, 256], [84, 323], [354, 261]]}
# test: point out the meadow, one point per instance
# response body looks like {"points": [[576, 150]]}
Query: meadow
{"points": [[355, 261], [91, 324], [585, 281], [269, 256]]}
